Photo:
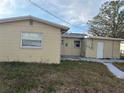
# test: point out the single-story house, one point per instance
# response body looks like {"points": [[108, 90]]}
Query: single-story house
{"points": [[74, 44], [30, 39]]}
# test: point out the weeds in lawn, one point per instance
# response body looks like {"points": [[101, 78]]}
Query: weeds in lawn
{"points": [[67, 77]]}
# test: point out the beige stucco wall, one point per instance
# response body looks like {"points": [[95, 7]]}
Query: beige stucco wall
{"points": [[90, 48], [111, 48], [122, 47], [83, 48], [10, 43], [116, 49], [70, 50]]}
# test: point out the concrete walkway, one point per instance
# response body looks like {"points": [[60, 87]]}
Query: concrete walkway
{"points": [[118, 73], [71, 58], [107, 62]]}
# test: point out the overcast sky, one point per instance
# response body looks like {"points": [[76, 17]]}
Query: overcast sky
{"points": [[76, 12]]}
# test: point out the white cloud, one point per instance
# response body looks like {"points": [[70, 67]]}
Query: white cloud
{"points": [[10, 8], [75, 11], [7, 7]]}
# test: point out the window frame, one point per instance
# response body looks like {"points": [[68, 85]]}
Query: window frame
{"points": [[32, 46], [75, 45]]}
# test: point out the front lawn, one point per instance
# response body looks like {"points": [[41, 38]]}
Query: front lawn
{"points": [[119, 65], [67, 77]]}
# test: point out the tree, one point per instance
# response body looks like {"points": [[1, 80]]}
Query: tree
{"points": [[110, 20]]}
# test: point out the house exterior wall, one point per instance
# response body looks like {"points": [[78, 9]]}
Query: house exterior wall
{"points": [[10, 43], [116, 49], [83, 47], [90, 48], [111, 48], [122, 47], [70, 50]]}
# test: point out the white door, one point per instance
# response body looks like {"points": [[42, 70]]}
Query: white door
{"points": [[100, 47]]}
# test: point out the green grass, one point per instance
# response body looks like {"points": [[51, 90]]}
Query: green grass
{"points": [[67, 77]]}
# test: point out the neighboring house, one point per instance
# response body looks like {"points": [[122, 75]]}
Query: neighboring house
{"points": [[122, 47], [90, 46], [30, 39]]}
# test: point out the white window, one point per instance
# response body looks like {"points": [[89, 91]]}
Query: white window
{"points": [[31, 40], [77, 44]]}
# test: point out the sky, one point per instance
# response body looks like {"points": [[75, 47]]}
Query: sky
{"points": [[76, 12]]}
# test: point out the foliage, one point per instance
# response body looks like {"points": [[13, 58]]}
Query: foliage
{"points": [[110, 20]]}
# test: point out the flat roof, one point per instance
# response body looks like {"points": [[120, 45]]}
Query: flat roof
{"points": [[13, 19], [103, 38]]}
